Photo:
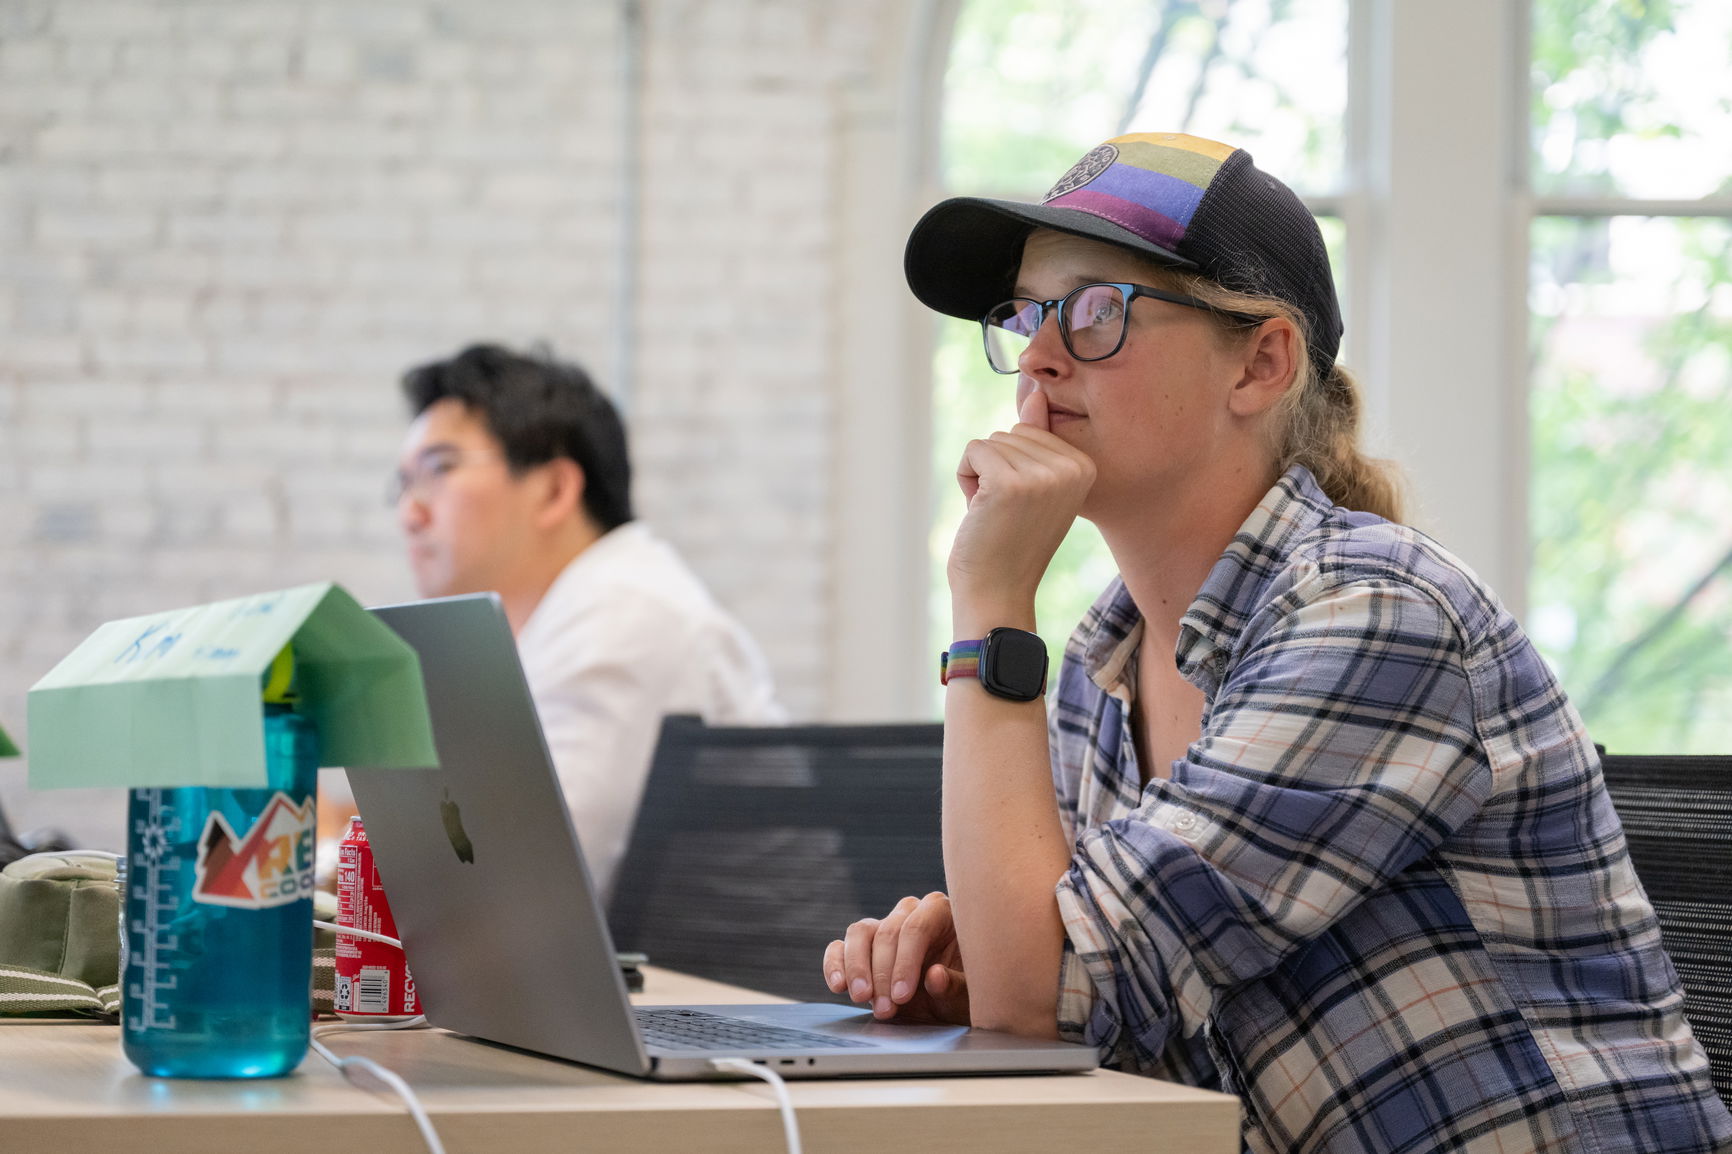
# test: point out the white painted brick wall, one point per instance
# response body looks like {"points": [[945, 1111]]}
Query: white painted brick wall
{"points": [[226, 226]]}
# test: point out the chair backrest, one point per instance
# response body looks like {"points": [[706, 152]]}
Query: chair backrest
{"points": [[1677, 815], [756, 846]]}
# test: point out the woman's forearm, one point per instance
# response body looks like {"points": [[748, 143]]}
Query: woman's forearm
{"points": [[1004, 852]]}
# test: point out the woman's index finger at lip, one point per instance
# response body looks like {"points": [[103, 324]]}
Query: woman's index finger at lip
{"points": [[1033, 411]]}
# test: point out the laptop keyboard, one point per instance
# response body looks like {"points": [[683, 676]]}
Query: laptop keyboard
{"points": [[693, 1030]]}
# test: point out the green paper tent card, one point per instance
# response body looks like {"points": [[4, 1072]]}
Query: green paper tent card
{"points": [[172, 699], [7, 749]]}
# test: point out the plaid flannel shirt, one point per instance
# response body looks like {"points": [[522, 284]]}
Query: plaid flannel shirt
{"points": [[1384, 898]]}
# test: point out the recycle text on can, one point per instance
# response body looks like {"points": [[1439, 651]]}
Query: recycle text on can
{"points": [[373, 982]]}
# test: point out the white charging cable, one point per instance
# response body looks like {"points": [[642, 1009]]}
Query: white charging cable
{"points": [[353, 1066], [350, 931], [350, 1066], [790, 1129]]}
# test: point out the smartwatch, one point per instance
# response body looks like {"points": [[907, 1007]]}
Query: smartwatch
{"points": [[1011, 663]]}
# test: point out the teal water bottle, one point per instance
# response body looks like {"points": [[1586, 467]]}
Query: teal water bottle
{"points": [[217, 925]]}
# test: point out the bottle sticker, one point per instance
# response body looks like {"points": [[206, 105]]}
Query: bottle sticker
{"points": [[271, 864]]}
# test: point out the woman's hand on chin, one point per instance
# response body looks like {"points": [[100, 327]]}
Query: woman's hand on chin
{"points": [[1024, 488]]}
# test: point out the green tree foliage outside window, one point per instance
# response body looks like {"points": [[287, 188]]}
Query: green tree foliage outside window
{"points": [[1631, 400]]}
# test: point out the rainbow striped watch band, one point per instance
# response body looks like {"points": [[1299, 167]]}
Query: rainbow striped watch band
{"points": [[962, 660]]}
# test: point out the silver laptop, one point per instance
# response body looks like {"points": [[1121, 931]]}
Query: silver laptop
{"points": [[506, 938]]}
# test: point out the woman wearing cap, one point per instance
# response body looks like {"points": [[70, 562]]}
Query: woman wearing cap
{"points": [[1328, 834]]}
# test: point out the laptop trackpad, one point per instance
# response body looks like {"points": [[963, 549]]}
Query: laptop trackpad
{"points": [[856, 1024]]}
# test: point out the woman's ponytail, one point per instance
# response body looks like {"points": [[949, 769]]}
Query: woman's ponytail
{"points": [[1322, 433]]}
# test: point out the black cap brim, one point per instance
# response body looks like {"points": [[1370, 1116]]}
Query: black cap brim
{"points": [[962, 256]]}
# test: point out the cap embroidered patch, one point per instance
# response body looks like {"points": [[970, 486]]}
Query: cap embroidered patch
{"points": [[1099, 159]]}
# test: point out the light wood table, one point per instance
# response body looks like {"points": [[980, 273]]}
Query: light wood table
{"points": [[66, 1088]]}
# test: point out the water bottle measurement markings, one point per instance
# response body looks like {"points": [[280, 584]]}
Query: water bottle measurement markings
{"points": [[158, 875]]}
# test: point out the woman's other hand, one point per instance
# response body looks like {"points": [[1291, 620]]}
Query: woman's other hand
{"points": [[1024, 488], [905, 965]]}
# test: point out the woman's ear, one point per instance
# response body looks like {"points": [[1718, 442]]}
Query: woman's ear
{"points": [[1267, 369]]}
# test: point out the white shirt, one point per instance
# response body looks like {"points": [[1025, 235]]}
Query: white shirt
{"points": [[625, 635]]}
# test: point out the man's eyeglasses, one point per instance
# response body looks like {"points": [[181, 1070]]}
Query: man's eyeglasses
{"points": [[1091, 321], [424, 477]]}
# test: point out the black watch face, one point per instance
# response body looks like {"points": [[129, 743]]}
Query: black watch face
{"points": [[1013, 664]]}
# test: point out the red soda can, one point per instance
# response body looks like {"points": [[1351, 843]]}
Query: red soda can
{"points": [[373, 983]]}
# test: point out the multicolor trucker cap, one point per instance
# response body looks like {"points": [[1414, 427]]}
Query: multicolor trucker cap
{"points": [[1186, 201]]}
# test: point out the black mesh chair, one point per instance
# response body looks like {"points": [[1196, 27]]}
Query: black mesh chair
{"points": [[755, 846], [1677, 815]]}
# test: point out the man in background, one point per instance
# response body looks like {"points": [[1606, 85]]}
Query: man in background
{"points": [[514, 478]]}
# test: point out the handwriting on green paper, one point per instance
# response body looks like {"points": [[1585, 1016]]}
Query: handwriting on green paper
{"points": [[173, 698]]}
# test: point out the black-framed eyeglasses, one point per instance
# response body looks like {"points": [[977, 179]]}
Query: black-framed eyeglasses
{"points": [[1091, 321]]}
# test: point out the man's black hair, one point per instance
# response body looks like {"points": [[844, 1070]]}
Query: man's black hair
{"points": [[540, 409]]}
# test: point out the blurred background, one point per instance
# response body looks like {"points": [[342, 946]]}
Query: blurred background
{"points": [[226, 227]]}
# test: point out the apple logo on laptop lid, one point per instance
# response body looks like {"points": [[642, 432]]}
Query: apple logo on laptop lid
{"points": [[453, 821]]}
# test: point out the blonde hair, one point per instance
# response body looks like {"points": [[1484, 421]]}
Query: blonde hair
{"points": [[1316, 423]]}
